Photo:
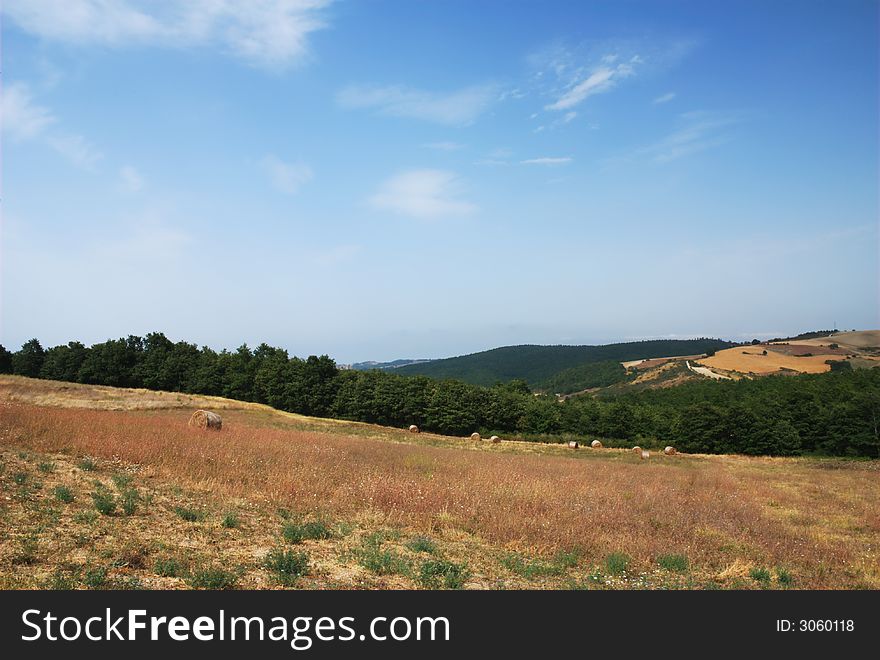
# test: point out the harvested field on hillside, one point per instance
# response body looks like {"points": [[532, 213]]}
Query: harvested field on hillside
{"points": [[749, 359], [861, 339], [803, 349], [495, 509]]}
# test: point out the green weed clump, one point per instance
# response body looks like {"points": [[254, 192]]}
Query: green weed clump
{"points": [[63, 494], [130, 500], [169, 567], [190, 515], [287, 566], [26, 555], [377, 560], [105, 502], [534, 568], [95, 577], [299, 532], [761, 576], [437, 573], [784, 578], [674, 563], [87, 465], [617, 563], [213, 578], [422, 544]]}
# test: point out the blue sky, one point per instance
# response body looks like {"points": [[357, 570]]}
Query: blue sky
{"points": [[382, 179]]}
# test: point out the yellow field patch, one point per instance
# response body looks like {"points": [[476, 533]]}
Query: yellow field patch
{"points": [[750, 359]]}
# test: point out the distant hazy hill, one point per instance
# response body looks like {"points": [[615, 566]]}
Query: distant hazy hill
{"points": [[538, 364], [366, 366]]}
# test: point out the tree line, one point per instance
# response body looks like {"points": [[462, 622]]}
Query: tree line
{"points": [[834, 413]]}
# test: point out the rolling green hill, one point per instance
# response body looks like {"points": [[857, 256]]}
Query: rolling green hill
{"points": [[539, 364]]}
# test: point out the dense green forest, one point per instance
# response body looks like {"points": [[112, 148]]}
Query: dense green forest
{"points": [[836, 413], [585, 376], [539, 364]]}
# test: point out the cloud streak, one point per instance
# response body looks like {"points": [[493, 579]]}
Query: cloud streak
{"points": [[458, 107], [286, 177], [547, 160], [422, 194], [23, 120], [265, 33], [664, 98], [699, 131], [131, 179]]}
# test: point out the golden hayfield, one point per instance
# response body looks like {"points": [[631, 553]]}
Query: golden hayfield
{"points": [[395, 506], [749, 359], [855, 340]]}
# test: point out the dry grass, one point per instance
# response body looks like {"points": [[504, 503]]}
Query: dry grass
{"points": [[749, 359], [481, 503], [855, 340]]}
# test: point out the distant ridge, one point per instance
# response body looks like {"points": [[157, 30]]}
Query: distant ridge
{"points": [[394, 364], [537, 364]]}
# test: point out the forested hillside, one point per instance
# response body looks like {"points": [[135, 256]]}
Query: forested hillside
{"points": [[835, 413], [585, 376], [539, 364]]}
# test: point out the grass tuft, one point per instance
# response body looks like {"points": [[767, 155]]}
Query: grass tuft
{"points": [[422, 544], [213, 578], [761, 576], [784, 578], [287, 566], [63, 494], [169, 567], [87, 465], [437, 573], [376, 560], [105, 503], [130, 500], [299, 532], [190, 515], [674, 563], [617, 563]]}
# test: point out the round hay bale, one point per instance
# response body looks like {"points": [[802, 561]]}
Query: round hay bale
{"points": [[645, 454], [669, 451], [495, 438], [636, 450], [413, 428], [573, 444], [205, 419], [475, 436], [595, 444]]}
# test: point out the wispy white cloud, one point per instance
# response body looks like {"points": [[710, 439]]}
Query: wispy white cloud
{"points": [[570, 74], [569, 116], [698, 132], [664, 98], [76, 149], [597, 81], [500, 156], [423, 194], [458, 107], [131, 179], [547, 160], [267, 33], [24, 119], [21, 117], [443, 146], [286, 177]]}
